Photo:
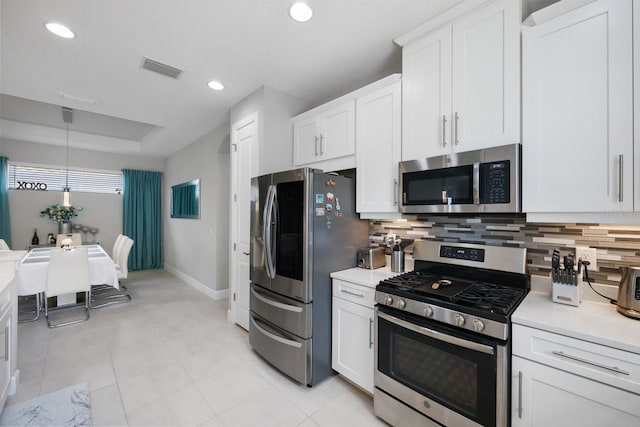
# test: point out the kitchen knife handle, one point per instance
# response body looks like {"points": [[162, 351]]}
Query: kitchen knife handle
{"points": [[444, 130], [519, 394], [620, 177], [455, 121], [395, 192]]}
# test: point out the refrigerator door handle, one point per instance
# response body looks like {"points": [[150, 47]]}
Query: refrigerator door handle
{"points": [[274, 230], [266, 220]]}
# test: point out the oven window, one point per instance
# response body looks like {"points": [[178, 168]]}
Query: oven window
{"points": [[462, 379], [435, 187]]}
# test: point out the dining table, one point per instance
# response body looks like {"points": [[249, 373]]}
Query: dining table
{"points": [[32, 272]]}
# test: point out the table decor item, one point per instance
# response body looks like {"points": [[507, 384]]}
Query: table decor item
{"points": [[34, 239], [62, 215], [66, 244]]}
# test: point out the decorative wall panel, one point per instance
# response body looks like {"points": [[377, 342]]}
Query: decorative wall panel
{"points": [[616, 245]]}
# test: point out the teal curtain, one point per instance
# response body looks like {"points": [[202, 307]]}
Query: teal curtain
{"points": [[142, 217], [5, 222]]}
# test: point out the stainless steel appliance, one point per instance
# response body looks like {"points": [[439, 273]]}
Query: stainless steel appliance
{"points": [[442, 345], [371, 258], [485, 180], [629, 292], [303, 226]]}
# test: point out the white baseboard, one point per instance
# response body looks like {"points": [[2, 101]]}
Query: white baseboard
{"points": [[211, 293]]}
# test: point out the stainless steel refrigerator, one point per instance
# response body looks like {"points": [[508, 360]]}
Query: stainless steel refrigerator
{"points": [[303, 227]]}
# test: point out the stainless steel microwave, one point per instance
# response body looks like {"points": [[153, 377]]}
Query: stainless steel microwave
{"points": [[485, 181]]}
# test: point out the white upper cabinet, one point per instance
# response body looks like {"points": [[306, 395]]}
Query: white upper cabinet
{"points": [[461, 88], [327, 135], [578, 111], [378, 141]]}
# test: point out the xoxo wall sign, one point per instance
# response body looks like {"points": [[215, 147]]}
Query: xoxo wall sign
{"points": [[26, 185]]}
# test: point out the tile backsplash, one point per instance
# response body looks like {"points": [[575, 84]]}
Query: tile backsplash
{"points": [[616, 245]]}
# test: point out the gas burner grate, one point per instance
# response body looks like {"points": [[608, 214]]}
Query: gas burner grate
{"points": [[485, 296]]}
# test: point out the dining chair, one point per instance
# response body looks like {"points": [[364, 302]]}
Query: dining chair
{"points": [[68, 273], [76, 239], [117, 246], [103, 295], [4, 246]]}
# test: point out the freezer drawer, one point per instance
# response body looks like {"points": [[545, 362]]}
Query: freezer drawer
{"points": [[288, 353], [292, 316]]}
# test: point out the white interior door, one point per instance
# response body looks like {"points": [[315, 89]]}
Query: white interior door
{"points": [[244, 146]]}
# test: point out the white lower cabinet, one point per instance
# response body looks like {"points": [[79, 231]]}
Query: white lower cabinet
{"points": [[5, 347], [563, 381], [545, 396], [352, 333]]}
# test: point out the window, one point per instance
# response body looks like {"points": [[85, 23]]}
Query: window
{"points": [[23, 177]]}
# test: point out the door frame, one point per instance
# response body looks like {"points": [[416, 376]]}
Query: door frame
{"points": [[234, 209]]}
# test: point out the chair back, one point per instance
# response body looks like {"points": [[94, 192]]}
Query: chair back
{"points": [[123, 262], [4, 246], [68, 271], [76, 239], [117, 247]]}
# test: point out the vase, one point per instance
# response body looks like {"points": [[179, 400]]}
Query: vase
{"points": [[65, 228]]}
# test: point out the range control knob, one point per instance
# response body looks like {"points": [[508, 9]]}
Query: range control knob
{"points": [[478, 326], [428, 311], [401, 304], [388, 300], [458, 320]]}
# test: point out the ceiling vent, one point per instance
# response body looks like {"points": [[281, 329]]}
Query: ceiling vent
{"points": [[160, 68]]}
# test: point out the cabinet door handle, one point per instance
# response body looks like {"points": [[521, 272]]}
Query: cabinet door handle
{"points": [[6, 343], [455, 121], [519, 394], [395, 192], [444, 130], [370, 332], [620, 177], [352, 293], [589, 362], [321, 141], [316, 146]]}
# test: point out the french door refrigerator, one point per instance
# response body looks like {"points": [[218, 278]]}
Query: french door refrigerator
{"points": [[303, 227]]}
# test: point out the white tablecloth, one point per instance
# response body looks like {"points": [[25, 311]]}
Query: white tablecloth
{"points": [[31, 277]]}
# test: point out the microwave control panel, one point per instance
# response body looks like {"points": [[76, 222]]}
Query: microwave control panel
{"points": [[494, 182]]}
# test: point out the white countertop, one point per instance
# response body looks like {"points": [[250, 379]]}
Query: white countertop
{"points": [[590, 321], [364, 276]]}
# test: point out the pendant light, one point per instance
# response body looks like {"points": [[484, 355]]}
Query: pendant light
{"points": [[67, 117]]}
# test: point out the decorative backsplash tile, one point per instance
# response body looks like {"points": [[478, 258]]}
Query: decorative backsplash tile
{"points": [[616, 245]]}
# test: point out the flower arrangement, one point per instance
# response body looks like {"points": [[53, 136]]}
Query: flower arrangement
{"points": [[61, 213], [66, 243]]}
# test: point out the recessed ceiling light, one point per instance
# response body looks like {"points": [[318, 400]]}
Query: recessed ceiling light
{"points": [[215, 85], [60, 30], [300, 12]]}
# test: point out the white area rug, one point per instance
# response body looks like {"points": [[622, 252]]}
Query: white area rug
{"points": [[70, 406]]}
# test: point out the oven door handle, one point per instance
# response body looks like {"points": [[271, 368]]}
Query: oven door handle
{"points": [[438, 335]]}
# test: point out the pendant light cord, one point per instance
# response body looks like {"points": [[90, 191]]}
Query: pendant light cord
{"points": [[67, 177]]}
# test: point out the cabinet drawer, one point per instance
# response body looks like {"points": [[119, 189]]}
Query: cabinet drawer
{"points": [[601, 363], [359, 294]]}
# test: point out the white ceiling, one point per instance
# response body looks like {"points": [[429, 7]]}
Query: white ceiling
{"points": [[243, 43]]}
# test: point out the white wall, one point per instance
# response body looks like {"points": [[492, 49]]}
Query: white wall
{"points": [[197, 250], [102, 211], [276, 131]]}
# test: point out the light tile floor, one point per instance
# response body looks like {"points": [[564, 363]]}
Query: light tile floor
{"points": [[170, 357]]}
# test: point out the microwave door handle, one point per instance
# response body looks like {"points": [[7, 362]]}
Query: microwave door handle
{"points": [[476, 183]]}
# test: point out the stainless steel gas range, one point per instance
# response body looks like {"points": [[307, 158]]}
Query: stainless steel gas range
{"points": [[442, 335]]}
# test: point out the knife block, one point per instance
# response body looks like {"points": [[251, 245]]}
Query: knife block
{"points": [[567, 293]]}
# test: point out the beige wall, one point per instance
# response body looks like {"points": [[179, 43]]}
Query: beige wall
{"points": [[198, 249], [102, 211]]}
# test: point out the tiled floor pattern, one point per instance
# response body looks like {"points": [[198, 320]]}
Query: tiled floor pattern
{"points": [[171, 358]]}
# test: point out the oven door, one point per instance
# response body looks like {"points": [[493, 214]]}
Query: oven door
{"points": [[453, 377]]}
